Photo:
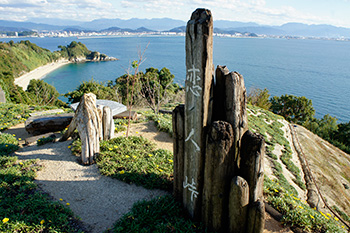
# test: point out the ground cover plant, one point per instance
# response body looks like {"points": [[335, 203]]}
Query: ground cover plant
{"points": [[22, 207], [120, 125], [13, 114], [134, 160], [163, 122], [297, 212], [268, 124], [8, 144], [160, 215], [44, 140]]}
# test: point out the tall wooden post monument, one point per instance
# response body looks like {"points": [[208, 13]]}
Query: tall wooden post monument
{"points": [[218, 162]]}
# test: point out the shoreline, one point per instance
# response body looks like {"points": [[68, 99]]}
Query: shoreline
{"points": [[39, 73]]}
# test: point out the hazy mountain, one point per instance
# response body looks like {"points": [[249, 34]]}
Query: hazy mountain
{"points": [[225, 24], [55, 21], [29, 25], [118, 29], [178, 29], [225, 31], [322, 30], [294, 29], [13, 29], [153, 24], [265, 30], [166, 24]]}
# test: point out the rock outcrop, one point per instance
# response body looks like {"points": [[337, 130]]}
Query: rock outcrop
{"points": [[93, 56]]}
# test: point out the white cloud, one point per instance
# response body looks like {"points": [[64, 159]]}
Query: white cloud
{"points": [[236, 10], [65, 9]]}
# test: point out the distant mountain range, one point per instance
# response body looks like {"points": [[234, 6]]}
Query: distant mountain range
{"points": [[166, 24]]}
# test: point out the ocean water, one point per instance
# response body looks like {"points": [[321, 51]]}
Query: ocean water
{"points": [[316, 69]]}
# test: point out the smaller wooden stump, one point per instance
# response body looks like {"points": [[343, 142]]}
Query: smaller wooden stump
{"points": [[238, 204], [179, 146], [87, 120], [217, 176], [108, 126]]}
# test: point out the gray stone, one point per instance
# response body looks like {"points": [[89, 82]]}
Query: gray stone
{"points": [[2, 96], [114, 106], [48, 112], [50, 123]]}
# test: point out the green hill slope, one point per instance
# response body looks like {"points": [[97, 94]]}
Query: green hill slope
{"points": [[24, 56], [285, 185]]}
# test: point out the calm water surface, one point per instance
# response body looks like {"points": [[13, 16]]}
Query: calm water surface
{"points": [[316, 69]]}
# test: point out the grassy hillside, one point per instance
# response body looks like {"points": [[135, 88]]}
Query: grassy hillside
{"points": [[24, 56], [285, 187]]}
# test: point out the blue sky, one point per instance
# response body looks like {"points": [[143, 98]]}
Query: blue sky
{"points": [[268, 12]]}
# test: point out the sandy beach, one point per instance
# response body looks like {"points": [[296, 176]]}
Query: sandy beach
{"points": [[39, 73]]}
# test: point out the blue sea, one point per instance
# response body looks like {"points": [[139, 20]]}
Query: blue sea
{"points": [[316, 69]]}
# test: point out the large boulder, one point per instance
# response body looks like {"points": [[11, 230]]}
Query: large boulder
{"points": [[49, 123]]}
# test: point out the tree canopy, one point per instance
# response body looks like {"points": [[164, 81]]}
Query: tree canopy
{"points": [[74, 50], [152, 87], [292, 108], [99, 89], [260, 98]]}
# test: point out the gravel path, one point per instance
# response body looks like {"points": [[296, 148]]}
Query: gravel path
{"points": [[98, 200]]}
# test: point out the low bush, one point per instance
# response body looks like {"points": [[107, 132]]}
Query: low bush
{"points": [[134, 160], [44, 140], [8, 144], [162, 214], [163, 122], [297, 212]]}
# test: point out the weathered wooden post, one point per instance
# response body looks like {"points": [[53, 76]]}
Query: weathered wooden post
{"points": [[218, 169], [199, 79]]}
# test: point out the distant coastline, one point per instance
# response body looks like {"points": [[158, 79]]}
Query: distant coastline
{"points": [[40, 72], [83, 35]]}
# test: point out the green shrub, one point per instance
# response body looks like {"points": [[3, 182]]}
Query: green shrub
{"points": [[135, 160], [297, 212], [42, 93], [161, 214], [120, 125], [44, 140], [99, 89], [163, 122], [8, 144]]}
